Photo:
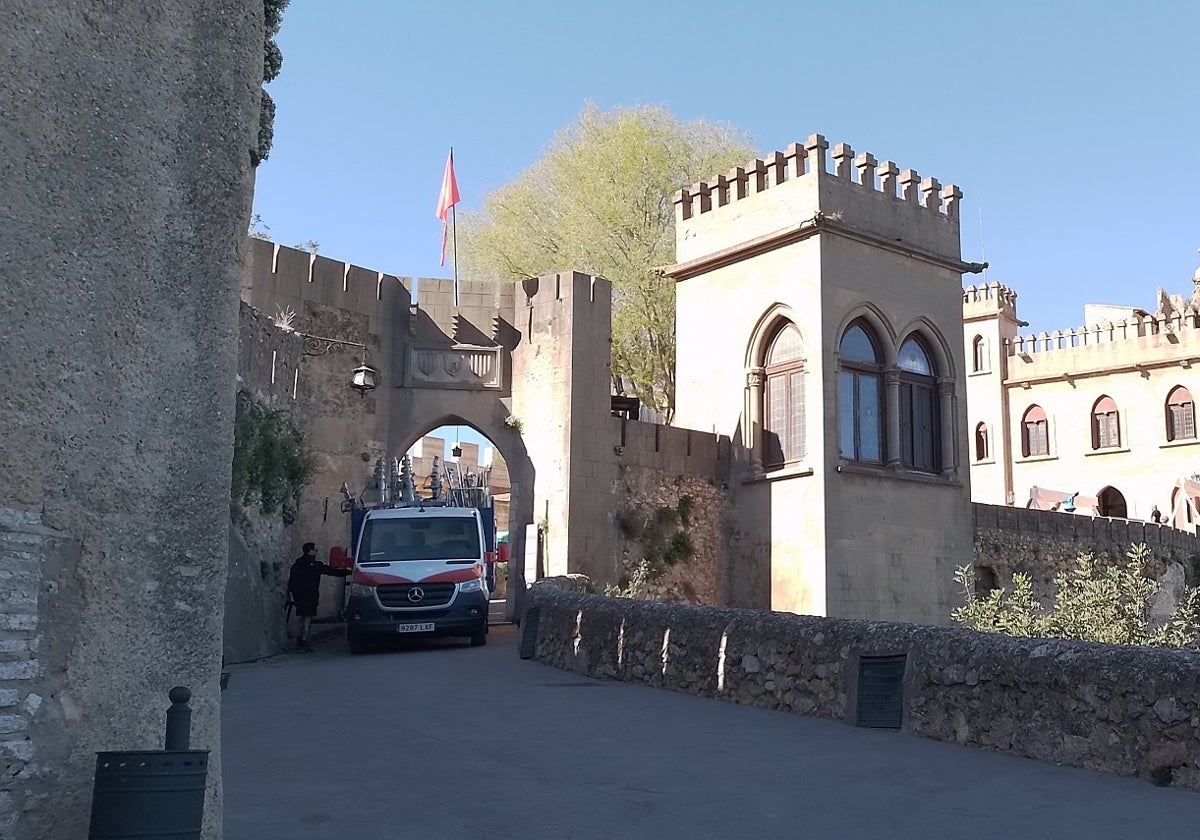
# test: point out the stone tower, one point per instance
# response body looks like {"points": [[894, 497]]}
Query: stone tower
{"points": [[820, 325], [989, 321]]}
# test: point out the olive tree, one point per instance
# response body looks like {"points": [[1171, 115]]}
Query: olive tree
{"points": [[1093, 603]]}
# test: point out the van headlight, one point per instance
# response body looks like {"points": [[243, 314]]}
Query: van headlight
{"points": [[361, 590], [475, 585]]}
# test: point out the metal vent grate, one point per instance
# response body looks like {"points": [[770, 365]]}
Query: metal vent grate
{"points": [[529, 631], [881, 691]]}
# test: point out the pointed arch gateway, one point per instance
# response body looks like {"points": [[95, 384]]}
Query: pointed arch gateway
{"points": [[510, 446]]}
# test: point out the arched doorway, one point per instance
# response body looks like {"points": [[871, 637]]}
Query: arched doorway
{"points": [[507, 471], [1110, 502]]}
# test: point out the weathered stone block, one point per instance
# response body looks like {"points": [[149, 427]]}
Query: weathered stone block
{"points": [[18, 670]]}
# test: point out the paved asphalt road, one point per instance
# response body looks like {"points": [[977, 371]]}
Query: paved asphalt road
{"points": [[446, 741]]}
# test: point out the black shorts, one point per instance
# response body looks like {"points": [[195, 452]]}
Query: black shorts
{"points": [[306, 610]]}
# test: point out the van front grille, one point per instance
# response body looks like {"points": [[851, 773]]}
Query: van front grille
{"points": [[395, 595]]}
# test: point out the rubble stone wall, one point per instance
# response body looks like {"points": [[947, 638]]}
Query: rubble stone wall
{"points": [[641, 495]]}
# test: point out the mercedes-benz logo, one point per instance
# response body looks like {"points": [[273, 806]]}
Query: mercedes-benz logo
{"points": [[416, 594]]}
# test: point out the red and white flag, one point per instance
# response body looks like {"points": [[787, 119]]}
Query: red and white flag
{"points": [[447, 199]]}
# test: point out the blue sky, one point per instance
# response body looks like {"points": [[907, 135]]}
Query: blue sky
{"points": [[1072, 126]]}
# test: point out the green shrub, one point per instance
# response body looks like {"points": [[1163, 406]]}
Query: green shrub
{"points": [[1109, 604], [271, 460], [684, 509], [662, 543]]}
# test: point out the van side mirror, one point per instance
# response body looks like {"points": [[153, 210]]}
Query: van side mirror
{"points": [[339, 559]]}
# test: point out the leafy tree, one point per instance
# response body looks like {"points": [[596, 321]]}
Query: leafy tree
{"points": [[599, 201], [1109, 604], [272, 62]]}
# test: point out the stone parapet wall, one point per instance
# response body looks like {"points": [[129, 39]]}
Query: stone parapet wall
{"points": [[1045, 530], [1042, 543], [1122, 710], [670, 448], [278, 277]]}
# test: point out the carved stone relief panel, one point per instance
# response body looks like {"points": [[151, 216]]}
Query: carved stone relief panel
{"points": [[463, 366]]}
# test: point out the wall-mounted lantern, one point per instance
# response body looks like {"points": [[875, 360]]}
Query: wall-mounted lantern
{"points": [[363, 379]]}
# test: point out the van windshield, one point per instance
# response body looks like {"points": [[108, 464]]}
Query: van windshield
{"points": [[424, 538]]}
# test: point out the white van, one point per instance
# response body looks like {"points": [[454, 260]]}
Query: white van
{"points": [[419, 571]]}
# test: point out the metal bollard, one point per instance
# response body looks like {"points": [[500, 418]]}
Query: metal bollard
{"points": [[152, 794], [179, 719]]}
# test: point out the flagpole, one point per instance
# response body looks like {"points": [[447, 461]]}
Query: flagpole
{"points": [[454, 237]]}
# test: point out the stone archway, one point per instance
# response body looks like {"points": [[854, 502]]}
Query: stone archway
{"points": [[511, 447], [494, 357]]}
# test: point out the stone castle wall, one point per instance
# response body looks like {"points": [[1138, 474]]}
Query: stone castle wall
{"points": [[1021, 539], [1042, 543], [1129, 711], [270, 367], [126, 145], [659, 467]]}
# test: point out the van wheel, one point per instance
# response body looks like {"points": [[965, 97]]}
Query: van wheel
{"points": [[358, 645], [479, 637]]}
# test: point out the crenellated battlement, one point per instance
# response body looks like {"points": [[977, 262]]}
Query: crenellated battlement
{"points": [[811, 159], [278, 278], [1138, 343], [670, 448], [564, 286], [808, 187], [989, 299]]}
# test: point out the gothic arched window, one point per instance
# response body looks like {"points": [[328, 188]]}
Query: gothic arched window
{"points": [[1106, 424], [981, 442], [978, 355], [860, 404], [1181, 414], [783, 398], [1035, 436], [920, 432]]}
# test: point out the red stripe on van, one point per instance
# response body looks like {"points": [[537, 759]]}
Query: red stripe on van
{"points": [[452, 576]]}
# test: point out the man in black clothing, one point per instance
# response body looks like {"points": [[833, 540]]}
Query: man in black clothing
{"points": [[304, 588]]}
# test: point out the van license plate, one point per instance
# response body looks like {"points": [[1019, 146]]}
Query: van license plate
{"points": [[427, 627]]}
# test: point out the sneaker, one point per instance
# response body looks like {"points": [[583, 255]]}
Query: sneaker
{"points": [[304, 647]]}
